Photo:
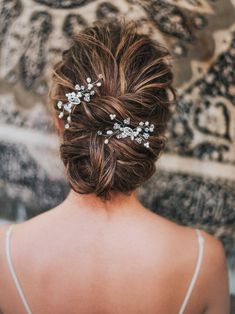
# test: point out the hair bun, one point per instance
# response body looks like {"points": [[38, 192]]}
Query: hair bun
{"points": [[136, 82]]}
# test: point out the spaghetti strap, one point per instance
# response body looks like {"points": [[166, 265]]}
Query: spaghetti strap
{"points": [[12, 270], [196, 272]]}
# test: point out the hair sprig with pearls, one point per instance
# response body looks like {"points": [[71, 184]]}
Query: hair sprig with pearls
{"points": [[123, 129], [74, 98]]}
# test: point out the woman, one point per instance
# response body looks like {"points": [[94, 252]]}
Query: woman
{"points": [[101, 251]]}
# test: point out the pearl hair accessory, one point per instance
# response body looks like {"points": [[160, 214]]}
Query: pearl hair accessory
{"points": [[123, 129], [74, 98]]}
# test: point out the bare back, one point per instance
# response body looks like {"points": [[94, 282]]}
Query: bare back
{"points": [[133, 264]]}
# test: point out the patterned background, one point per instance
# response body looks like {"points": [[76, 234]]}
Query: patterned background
{"points": [[194, 184]]}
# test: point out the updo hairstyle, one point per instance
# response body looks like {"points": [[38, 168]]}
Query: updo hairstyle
{"points": [[137, 83]]}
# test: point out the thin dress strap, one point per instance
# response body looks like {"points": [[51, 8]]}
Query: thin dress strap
{"points": [[12, 271], [196, 272]]}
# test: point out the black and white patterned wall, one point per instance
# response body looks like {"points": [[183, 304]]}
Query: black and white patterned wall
{"points": [[195, 180]]}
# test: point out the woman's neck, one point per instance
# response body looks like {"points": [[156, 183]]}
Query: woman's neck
{"points": [[90, 203]]}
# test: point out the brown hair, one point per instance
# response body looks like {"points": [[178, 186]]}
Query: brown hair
{"points": [[137, 79]]}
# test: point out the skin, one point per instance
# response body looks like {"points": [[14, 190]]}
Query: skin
{"points": [[87, 256]]}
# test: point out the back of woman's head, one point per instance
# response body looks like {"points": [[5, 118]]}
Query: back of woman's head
{"points": [[136, 83]]}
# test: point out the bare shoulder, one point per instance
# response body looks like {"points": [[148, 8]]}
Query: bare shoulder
{"points": [[214, 251], [214, 272], [211, 287], [215, 262]]}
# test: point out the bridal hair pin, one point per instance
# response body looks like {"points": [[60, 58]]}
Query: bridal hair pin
{"points": [[74, 98], [123, 129]]}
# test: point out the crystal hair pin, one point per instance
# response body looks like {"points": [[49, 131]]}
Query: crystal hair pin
{"points": [[81, 93], [123, 129]]}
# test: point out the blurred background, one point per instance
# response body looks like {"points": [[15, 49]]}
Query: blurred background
{"points": [[195, 179]]}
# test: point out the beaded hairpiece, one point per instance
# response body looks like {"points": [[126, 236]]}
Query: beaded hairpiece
{"points": [[120, 129], [123, 129], [80, 94]]}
